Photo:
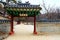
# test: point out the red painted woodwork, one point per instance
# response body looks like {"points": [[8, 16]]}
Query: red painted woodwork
{"points": [[11, 32], [35, 32]]}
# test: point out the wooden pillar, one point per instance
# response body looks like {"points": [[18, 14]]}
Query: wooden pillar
{"points": [[11, 30], [35, 25]]}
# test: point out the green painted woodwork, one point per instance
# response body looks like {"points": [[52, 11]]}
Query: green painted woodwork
{"points": [[17, 11]]}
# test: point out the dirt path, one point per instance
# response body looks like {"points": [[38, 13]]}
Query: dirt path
{"points": [[25, 32]]}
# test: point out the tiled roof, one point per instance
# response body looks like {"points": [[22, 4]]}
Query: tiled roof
{"points": [[28, 5], [3, 2]]}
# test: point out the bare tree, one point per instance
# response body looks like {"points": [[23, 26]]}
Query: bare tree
{"points": [[48, 8]]}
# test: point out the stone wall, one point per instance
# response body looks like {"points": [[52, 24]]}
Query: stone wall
{"points": [[5, 28], [48, 27]]}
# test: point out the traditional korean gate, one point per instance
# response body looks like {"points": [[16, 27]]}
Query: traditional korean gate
{"points": [[23, 10]]}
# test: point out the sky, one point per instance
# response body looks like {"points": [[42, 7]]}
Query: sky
{"points": [[48, 3]]}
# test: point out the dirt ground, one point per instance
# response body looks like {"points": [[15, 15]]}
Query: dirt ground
{"points": [[25, 32]]}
